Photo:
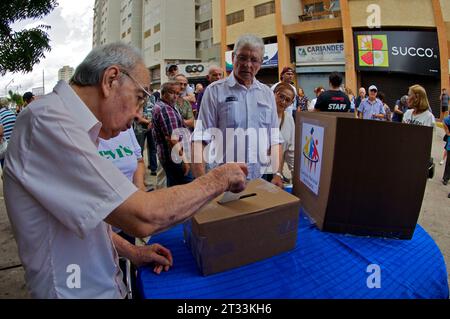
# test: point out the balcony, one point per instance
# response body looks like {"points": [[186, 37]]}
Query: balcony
{"points": [[319, 10]]}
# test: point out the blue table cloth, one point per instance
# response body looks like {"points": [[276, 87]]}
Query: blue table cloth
{"points": [[323, 265]]}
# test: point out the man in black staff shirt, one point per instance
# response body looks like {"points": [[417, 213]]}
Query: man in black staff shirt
{"points": [[333, 100]]}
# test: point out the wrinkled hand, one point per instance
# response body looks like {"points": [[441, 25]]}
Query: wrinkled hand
{"points": [[234, 175], [155, 254]]}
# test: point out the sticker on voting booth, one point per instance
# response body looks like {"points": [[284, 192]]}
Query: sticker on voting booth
{"points": [[311, 156]]}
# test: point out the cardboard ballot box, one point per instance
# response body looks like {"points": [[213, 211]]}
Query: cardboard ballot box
{"points": [[362, 177], [225, 236]]}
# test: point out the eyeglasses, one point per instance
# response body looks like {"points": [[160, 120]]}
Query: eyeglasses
{"points": [[142, 100], [245, 59], [284, 98]]}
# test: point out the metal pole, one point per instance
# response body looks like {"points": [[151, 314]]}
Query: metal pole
{"points": [[43, 83]]}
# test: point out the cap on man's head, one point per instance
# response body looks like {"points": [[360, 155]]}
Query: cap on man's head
{"points": [[373, 88], [28, 96], [285, 70]]}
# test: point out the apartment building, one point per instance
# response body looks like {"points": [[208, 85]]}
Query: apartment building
{"points": [[65, 73], [106, 28], [390, 43], [131, 22]]}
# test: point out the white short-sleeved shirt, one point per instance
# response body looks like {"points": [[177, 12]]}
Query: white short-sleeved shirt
{"points": [[58, 191], [425, 118], [231, 105], [123, 151], [288, 134]]}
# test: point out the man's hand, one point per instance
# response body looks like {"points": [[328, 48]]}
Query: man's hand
{"points": [[234, 176], [276, 180], [155, 254]]}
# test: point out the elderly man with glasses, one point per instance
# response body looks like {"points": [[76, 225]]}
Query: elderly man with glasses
{"points": [[243, 111], [62, 197]]}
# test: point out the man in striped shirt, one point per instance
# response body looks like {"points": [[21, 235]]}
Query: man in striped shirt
{"points": [[7, 119], [167, 119]]}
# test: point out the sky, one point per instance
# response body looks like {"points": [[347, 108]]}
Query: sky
{"points": [[70, 40]]}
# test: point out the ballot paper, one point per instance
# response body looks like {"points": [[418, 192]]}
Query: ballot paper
{"points": [[229, 197]]}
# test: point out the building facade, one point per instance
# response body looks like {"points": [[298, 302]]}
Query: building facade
{"points": [[106, 26], [65, 73], [390, 43], [166, 31], [131, 22]]}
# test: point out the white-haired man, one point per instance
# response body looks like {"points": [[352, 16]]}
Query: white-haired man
{"points": [[62, 197], [242, 105]]}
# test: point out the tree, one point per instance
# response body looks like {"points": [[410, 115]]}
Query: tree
{"points": [[21, 50], [15, 98]]}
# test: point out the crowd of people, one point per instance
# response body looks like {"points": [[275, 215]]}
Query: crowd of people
{"points": [[85, 141]]}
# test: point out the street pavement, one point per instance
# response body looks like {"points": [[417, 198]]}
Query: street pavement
{"points": [[434, 218]]}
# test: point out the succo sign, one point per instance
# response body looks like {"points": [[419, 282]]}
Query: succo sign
{"points": [[414, 52]]}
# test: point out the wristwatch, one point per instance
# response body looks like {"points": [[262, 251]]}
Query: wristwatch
{"points": [[279, 174]]}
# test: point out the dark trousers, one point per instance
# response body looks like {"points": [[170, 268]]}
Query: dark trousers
{"points": [[175, 175], [140, 136], [447, 168], [151, 152]]}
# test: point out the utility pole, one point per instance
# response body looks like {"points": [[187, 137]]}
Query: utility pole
{"points": [[6, 87]]}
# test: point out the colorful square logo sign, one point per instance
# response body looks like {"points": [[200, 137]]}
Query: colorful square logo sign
{"points": [[373, 51]]}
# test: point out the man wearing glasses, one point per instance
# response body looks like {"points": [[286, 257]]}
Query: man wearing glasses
{"points": [[237, 107], [62, 197]]}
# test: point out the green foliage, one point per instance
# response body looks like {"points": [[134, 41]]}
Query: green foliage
{"points": [[15, 98], [21, 50]]}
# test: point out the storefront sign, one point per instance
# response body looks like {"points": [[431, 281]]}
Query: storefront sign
{"points": [[270, 58], [415, 52], [311, 158], [194, 69], [320, 54]]}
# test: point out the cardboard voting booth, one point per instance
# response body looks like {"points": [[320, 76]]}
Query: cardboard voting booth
{"points": [[262, 224], [362, 177]]}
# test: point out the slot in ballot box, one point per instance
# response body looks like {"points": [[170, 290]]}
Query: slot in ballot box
{"points": [[361, 177]]}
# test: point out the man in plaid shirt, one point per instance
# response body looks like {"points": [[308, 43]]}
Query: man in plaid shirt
{"points": [[166, 119]]}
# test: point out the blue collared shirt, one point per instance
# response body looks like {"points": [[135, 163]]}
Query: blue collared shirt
{"points": [[369, 108]]}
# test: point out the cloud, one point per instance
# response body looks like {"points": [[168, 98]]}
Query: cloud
{"points": [[70, 39]]}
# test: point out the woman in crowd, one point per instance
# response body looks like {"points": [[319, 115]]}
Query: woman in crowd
{"points": [[387, 110], [284, 95], [352, 98], [419, 112], [400, 108], [302, 101]]}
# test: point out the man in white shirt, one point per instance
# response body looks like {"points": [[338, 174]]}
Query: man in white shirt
{"points": [[242, 111], [62, 197]]}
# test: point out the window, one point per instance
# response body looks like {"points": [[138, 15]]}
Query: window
{"points": [[157, 47], [235, 17], [157, 28], [314, 7], [147, 33], [265, 9], [205, 25], [124, 35], [129, 31]]}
